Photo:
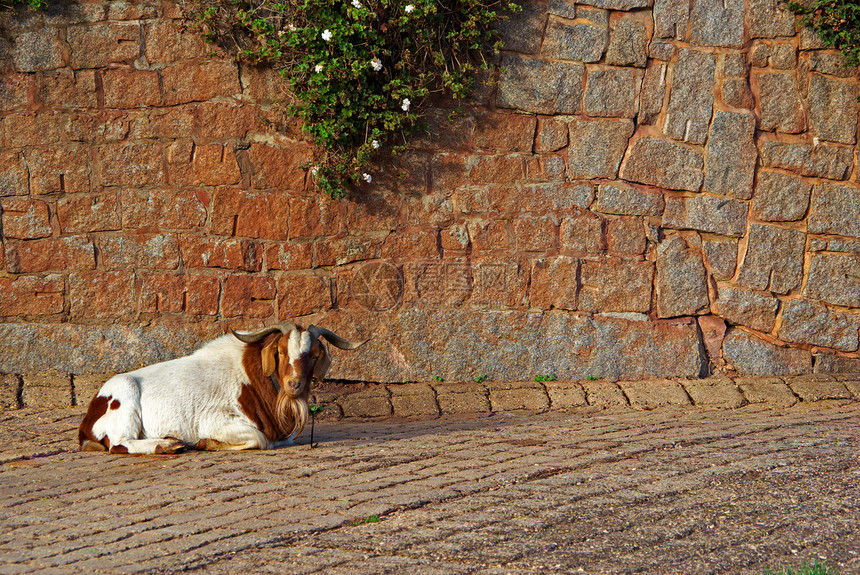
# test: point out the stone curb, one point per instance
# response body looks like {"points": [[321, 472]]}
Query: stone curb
{"points": [[434, 399]]}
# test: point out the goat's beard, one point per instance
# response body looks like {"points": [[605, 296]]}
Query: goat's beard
{"points": [[292, 413]]}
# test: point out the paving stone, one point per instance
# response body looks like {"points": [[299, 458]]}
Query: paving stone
{"points": [[462, 398], [10, 388], [663, 164], [810, 322], [823, 161], [565, 394], [654, 393], [835, 210], [781, 105], [579, 40], [834, 278], [732, 155], [691, 98], [508, 397], [542, 87], [751, 355], [774, 259], [715, 392], [604, 394], [717, 23], [46, 389], [811, 388], [712, 214], [722, 256], [610, 92], [370, 403], [597, 147], [832, 105], [766, 390], [680, 285], [413, 400], [781, 197], [744, 307]]}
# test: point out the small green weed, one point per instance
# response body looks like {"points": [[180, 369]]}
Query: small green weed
{"points": [[481, 378], [369, 519], [314, 409], [591, 378], [439, 378], [549, 377], [816, 568]]}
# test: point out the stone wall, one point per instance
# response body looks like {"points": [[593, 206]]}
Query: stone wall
{"points": [[654, 189]]}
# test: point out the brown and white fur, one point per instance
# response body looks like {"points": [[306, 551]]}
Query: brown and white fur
{"points": [[240, 391]]}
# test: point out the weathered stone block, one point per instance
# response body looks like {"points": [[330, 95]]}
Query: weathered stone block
{"points": [[231, 254], [671, 19], [579, 40], [535, 233], [541, 87], [604, 394], [551, 136], [652, 93], [171, 293], [835, 210], [722, 393], [278, 167], [681, 287], [834, 278], [627, 200], [832, 105], [707, 214], [462, 398], [619, 4], [809, 322], [781, 197], [774, 259], [499, 283], [736, 93], [300, 295], [650, 394], [512, 397], [717, 23], [616, 285], [597, 147], [611, 92], [783, 56], [140, 250], [554, 283], [826, 363], [823, 161], [10, 388], [60, 169], [101, 294], [722, 256], [134, 165], [505, 132], [767, 390], [248, 296], [38, 51], [691, 98], [68, 253], [628, 40], [732, 155], [780, 102], [663, 164], [565, 394], [373, 402], [413, 400], [167, 43], [816, 388], [25, 219], [751, 355], [625, 236], [88, 213], [14, 175], [46, 389], [130, 88], [299, 256], [769, 19], [744, 307], [713, 334], [200, 81], [582, 234], [99, 44], [248, 214], [165, 208], [86, 386], [31, 295], [830, 63]]}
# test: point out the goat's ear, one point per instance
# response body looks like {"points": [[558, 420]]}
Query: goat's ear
{"points": [[268, 358], [323, 362]]}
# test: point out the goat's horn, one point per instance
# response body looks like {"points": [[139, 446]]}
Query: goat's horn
{"points": [[335, 339], [260, 335]]}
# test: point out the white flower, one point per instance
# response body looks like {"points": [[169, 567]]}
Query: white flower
{"points": [[367, 177], [326, 35], [318, 68], [376, 64], [375, 144], [314, 171], [409, 8], [357, 4], [405, 104], [292, 27]]}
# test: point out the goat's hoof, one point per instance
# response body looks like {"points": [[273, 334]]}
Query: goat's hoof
{"points": [[207, 445], [89, 445], [169, 448]]}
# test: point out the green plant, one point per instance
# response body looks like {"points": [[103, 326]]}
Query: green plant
{"points": [[816, 568], [439, 378], [591, 378], [481, 378], [549, 377], [837, 23], [34, 4], [360, 71], [314, 410]]}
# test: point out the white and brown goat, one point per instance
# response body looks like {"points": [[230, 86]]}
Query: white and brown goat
{"points": [[240, 391]]}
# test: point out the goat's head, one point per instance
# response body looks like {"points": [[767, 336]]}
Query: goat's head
{"points": [[294, 357]]}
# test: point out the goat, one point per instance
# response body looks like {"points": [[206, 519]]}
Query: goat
{"points": [[240, 391]]}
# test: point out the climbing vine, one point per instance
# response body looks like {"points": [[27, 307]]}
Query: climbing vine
{"points": [[837, 22], [360, 71]]}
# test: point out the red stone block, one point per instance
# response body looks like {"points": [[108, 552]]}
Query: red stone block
{"points": [[248, 296], [290, 256], [242, 213], [14, 177], [15, 89], [535, 233], [316, 216], [67, 88], [139, 251], [341, 251], [200, 81], [70, 253], [31, 295], [616, 285], [64, 169], [490, 235], [625, 235], [196, 295], [373, 213], [164, 208], [137, 164], [231, 254], [101, 295], [411, 243], [201, 295], [279, 167], [130, 88], [175, 122], [505, 132], [94, 45], [447, 172], [499, 283], [25, 130], [554, 283], [215, 165], [168, 42], [219, 120], [582, 234], [25, 219], [88, 213], [497, 169], [300, 295]]}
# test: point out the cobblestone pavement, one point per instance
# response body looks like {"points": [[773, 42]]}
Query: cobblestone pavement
{"points": [[672, 490]]}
